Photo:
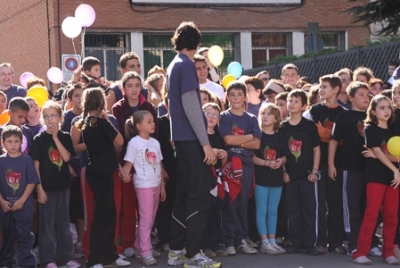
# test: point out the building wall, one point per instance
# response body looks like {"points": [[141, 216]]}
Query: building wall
{"points": [[25, 43]]}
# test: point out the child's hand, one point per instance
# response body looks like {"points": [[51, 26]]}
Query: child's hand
{"points": [[221, 154], [286, 177], [164, 175], [276, 164], [332, 172], [163, 194], [42, 197], [17, 205], [312, 177], [5, 205], [368, 152], [396, 181]]}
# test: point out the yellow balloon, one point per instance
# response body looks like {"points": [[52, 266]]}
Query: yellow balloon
{"points": [[215, 55], [393, 146], [227, 79], [40, 95]]}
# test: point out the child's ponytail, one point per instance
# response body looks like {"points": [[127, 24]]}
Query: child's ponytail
{"points": [[130, 124]]}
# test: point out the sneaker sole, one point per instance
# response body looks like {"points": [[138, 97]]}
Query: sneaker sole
{"points": [[176, 262]]}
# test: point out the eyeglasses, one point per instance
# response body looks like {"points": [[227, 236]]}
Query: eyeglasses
{"points": [[53, 116], [214, 116]]}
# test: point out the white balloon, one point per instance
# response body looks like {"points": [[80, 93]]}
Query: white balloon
{"points": [[71, 27], [85, 14]]}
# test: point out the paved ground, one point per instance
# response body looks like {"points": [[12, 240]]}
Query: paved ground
{"points": [[285, 261]]}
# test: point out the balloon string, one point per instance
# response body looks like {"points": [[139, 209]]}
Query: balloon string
{"points": [[73, 44], [83, 43]]}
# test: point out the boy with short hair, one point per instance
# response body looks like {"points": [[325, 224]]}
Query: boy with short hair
{"points": [[301, 173], [254, 87], [18, 178], [348, 129], [323, 114], [290, 74], [345, 75], [18, 111], [241, 134]]}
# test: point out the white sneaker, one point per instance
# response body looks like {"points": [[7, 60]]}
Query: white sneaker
{"points": [[396, 252], [375, 251], [246, 249], [231, 251], [269, 249], [392, 260], [129, 252], [176, 257], [120, 262], [149, 260], [362, 260], [99, 265], [278, 248], [72, 264], [200, 260]]}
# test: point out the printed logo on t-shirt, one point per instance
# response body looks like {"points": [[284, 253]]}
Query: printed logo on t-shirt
{"points": [[327, 123], [360, 127], [269, 153], [13, 178], [237, 130], [151, 159], [384, 147], [55, 157], [295, 147]]}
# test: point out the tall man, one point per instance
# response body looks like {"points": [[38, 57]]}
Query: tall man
{"points": [[193, 150]]}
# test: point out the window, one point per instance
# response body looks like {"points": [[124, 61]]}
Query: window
{"points": [[267, 46], [329, 40], [158, 49], [108, 48]]}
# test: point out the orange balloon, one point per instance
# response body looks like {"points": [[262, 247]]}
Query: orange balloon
{"points": [[227, 79], [40, 95], [4, 117]]}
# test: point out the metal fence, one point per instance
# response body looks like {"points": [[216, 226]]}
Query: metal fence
{"points": [[375, 57]]}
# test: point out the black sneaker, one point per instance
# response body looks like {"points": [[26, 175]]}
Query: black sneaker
{"points": [[293, 250]]}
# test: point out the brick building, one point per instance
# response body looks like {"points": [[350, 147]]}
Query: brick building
{"points": [[250, 32]]}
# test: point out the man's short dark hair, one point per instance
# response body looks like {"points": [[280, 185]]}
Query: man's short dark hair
{"points": [[187, 35]]}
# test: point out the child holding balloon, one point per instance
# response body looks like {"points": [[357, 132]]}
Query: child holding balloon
{"points": [[383, 178]]}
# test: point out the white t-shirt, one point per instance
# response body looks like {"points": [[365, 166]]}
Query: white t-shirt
{"points": [[215, 88], [145, 155]]}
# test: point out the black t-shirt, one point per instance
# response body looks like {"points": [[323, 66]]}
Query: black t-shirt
{"points": [[349, 128], [167, 149], [326, 116], [376, 171], [216, 141], [272, 146], [301, 140], [54, 172], [99, 141]]}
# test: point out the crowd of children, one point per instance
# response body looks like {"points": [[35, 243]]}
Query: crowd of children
{"points": [[283, 165]]}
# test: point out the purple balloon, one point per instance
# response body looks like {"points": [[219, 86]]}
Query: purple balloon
{"points": [[23, 79], [55, 75], [85, 14]]}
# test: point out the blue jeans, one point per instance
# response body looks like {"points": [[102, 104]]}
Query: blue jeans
{"points": [[267, 201], [54, 228], [17, 229]]}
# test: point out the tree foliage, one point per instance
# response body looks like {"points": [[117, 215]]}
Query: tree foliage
{"points": [[383, 12]]}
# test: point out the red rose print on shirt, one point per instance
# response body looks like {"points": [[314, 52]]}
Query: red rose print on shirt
{"points": [[295, 147], [55, 157], [13, 178], [384, 147], [237, 130], [151, 159], [360, 127], [269, 153], [327, 124]]}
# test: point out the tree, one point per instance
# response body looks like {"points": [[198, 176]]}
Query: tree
{"points": [[383, 12]]}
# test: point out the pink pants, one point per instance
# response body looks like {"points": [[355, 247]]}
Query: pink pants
{"points": [[385, 197], [148, 199]]}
